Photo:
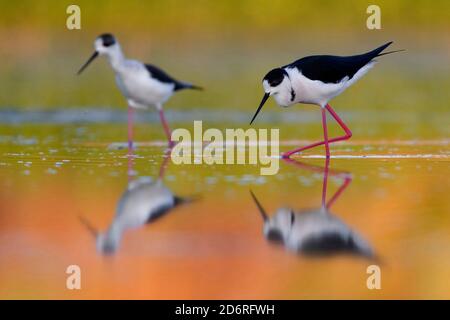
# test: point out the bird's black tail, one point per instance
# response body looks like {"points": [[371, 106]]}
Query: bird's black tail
{"points": [[185, 85], [378, 52], [389, 52], [194, 87]]}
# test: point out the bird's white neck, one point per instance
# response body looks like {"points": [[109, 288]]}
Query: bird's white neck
{"points": [[116, 57], [284, 96]]}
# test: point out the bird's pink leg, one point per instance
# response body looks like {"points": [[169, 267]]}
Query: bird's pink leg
{"points": [[325, 132], [348, 135], [166, 127], [130, 127], [348, 132]]}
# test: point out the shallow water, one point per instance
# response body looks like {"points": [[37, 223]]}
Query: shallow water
{"points": [[56, 179]]}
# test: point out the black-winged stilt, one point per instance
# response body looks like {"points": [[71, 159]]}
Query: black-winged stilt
{"points": [[314, 231], [143, 85], [317, 80], [144, 201]]}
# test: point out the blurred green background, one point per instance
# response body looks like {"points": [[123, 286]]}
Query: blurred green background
{"points": [[225, 46]]}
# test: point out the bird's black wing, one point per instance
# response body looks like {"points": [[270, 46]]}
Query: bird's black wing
{"points": [[332, 69], [162, 76], [159, 74]]}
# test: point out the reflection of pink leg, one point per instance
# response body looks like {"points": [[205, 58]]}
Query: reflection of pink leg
{"points": [[130, 127], [341, 123], [339, 191], [130, 172], [325, 182], [166, 127], [326, 172], [166, 157]]}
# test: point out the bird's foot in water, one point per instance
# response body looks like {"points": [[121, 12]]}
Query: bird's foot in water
{"points": [[121, 146], [287, 155], [171, 144], [132, 146]]}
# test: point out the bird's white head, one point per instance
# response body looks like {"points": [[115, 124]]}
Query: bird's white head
{"points": [[276, 83], [105, 44], [277, 227]]}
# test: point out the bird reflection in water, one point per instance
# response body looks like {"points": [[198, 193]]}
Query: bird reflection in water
{"points": [[144, 201], [315, 232]]}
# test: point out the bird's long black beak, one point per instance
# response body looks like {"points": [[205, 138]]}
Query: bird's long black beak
{"points": [[260, 208], [92, 58], [89, 226], [264, 99]]}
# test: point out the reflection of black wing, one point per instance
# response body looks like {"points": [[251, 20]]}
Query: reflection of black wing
{"points": [[163, 210], [332, 69], [162, 76], [332, 243]]}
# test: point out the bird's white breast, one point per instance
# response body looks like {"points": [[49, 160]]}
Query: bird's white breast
{"points": [[312, 91], [140, 88]]}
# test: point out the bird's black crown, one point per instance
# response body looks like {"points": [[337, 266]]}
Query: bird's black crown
{"points": [[275, 77], [107, 39]]}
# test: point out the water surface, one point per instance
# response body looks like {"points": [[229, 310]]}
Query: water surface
{"points": [[59, 178]]}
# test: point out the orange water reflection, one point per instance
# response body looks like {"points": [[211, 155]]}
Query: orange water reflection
{"points": [[215, 247]]}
